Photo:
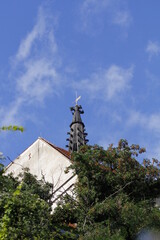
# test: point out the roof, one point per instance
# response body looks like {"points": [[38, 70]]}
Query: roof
{"points": [[61, 150]]}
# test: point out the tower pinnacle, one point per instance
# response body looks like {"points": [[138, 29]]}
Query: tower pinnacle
{"points": [[77, 129]]}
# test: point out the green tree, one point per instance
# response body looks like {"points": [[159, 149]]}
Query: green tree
{"points": [[25, 213], [25, 210], [114, 195]]}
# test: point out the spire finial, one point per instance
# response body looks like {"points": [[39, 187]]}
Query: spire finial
{"points": [[77, 128]]}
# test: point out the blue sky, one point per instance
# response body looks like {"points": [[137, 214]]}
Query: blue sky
{"points": [[106, 50]]}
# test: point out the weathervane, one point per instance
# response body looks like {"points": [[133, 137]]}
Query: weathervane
{"points": [[77, 99]]}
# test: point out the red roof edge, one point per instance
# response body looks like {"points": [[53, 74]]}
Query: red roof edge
{"points": [[61, 150]]}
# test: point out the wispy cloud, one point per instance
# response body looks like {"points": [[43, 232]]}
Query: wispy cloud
{"points": [[105, 11], [34, 68], [106, 84], [149, 122], [147, 130], [9, 114], [37, 80], [122, 18], [94, 6], [36, 33], [153, 49]]}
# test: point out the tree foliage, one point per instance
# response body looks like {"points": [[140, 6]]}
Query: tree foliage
{"points": [[114, 199], [114, 195], [25, 210], [12, 128]]}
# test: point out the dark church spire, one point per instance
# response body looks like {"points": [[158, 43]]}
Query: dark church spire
{"points": [[77, 130]]}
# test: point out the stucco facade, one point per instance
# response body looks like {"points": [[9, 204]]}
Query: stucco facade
{"points": [[44, 159]]}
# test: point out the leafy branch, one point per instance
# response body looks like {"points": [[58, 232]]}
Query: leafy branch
{"points": [[12, 128]]}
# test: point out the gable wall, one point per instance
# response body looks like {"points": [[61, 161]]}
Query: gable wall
{"points": [[42, 159]]}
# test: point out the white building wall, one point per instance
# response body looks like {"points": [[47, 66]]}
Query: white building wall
{"points": [[43, 160]]}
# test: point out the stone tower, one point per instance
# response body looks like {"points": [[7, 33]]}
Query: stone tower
{"points": [[77, 130]]}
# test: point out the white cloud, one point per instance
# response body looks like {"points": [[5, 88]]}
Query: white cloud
{"points": [[154, 121], [94, 6], [105, 11], [122, 18], [37, 32], [148, 131], [153, 49], [9, 115], [38, 80], [106, 83], [149, 122], [34, 68]]}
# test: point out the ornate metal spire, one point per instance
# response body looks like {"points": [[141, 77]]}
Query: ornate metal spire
{"points": [[77, 129]]}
